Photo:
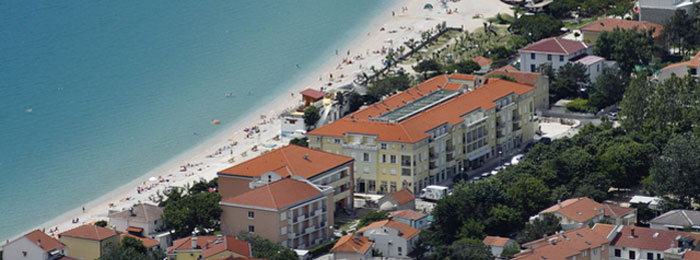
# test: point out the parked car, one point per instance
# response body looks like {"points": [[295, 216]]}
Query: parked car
{"points": [[477, 178], [613, 114], [545, 140], [517, 158]]}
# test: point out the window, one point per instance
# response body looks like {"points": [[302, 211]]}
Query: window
{"points": [[365, 157], [251, 229], [269, 178], [595, 251], [383, 146], [573, 258], [400, 251], [561, 57], [283, 216], [393, 186], [402, 147], [650, 256], [602, 248], [337, 141], [383, 158], [372, 186], [549, 57], [532, 68], [597, 67], [318, 139], [251, 215], [284, 230], [392, 159], [585, 253], [532, 56], [618, 252], [633, 254], [383, 186]]}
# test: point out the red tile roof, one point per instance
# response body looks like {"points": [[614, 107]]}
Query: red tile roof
{"points": [[276, 195], [691, 255], [405, 230], [527, 78], [612, 211], [312, 93], [134, 229], [413, 129], [147, 242], [567, 244], [649, 239], [44, 241], [603, 229], [426, 87], [403, 196], [482, 61], [609, 24], [495, 241], [352, 243], [90, 232], [578, 209], [408, 214], [461, 76], [210, 245], [289, 160], [675, 65], [453, 86], [694, 61], [556, 45]]}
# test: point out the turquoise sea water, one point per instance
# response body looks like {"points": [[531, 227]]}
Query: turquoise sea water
{"points": [[117, 88]]}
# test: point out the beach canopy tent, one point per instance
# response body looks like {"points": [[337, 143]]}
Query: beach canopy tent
{"points": [[428, 6]]}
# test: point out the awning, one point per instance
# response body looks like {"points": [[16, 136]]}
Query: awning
{"points": [[428, 6], [479, 154], [136, 230]]}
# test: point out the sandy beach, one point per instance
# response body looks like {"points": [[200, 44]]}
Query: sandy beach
{"points": [[405, 20]]}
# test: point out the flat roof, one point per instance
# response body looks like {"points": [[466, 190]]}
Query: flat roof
{"points": [[418, 105]]}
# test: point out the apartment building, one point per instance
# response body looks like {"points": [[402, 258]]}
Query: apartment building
{"points": [[319, 167], [577, 244], [291, 211], [660, 11], [429, 132], [535, 79], [631, 242]]}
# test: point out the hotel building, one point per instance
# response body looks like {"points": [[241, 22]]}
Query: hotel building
{"points": [[429, 132]]}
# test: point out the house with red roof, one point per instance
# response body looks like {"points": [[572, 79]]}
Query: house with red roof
{"points": [[352, 247], [576, 212], [88, 241], [35, 245], [681, 69], [208, 248], [292, 211], [632, 242], [558, 52], [318, 167], [402, 199], [580, 244], [393, 238], [592, 30], [484, 62], [414, 218], [498, 244]]}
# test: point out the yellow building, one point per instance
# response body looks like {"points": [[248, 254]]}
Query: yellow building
{"points": [[208, 247], [429, 132], [88, 242]]}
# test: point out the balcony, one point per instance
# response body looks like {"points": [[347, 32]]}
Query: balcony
{"points": [[433, 165], [500, 125], [340, 196], [516, 117], [360, 146], [308, 230], [318, 212], [291, 235], [450, 157], [450, 148]]}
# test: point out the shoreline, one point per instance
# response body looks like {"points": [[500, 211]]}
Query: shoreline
{"points": [[369, 38]]}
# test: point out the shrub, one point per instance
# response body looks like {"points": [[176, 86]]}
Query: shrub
{"points": [[322, 249], [579, 105]]}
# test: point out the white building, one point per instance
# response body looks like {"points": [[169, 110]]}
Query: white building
{"points": [[679, 219], [142, 220], [391, 237], [414, 218], [498, 244], [34, 245], [660, 11], [558, 52]]}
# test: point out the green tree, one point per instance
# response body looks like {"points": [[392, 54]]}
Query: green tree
{"points": [[546, 225], [130, 249], [503, 220], [355, 101], [626, 163], [530, 194], [300, 141], [372, 216], [471, 229], [677, 30], [621, 8], [427, 65], [627, 47], [609, 88], [398, 80], [285, 254], [467, 248], [562, 8], [536, 27], [311, 117], [465, 67], [635, 103], [570, 80], [262, 248], [101, 223], [501, 76], [678, 164], [510, 251], [203, 186], [188, 213]]}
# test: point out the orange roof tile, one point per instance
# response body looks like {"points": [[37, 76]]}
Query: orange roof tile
{"points": [[612, 211], [44, 241], [405, 230], [567, 244], [352, 243], [147, 242], [413, 129], [408, 214], [694, 61], [691, 255], [289, 160], [609, 24], [462, 76], [482, 61], [452, 86], [403, 196], [527, 78], [603, 229], [649, 239], [91, 232], [579, 209], [312, 93], [211, 245], [675, 65], [276, 195], [134, 229], [495, 241], [556, 45], [426, 87]]}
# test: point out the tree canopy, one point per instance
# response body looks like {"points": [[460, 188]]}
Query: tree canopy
{"points": [[536, 27], [571, 79], [130, 249], [187, 213], [264, 248], [678, 163], [627, 47], [311, 116]]}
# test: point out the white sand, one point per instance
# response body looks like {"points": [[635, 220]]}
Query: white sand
{"points": [[399, 28]]}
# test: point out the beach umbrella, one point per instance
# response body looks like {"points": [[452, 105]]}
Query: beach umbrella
{"points": [[153, 178], [428, 6]]}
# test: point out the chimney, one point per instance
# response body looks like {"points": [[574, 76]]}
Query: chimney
{"points": [[632, 232], [206, 245], [194, 242], [131, 211], [38, 242], [306, 156], [559, 202]]}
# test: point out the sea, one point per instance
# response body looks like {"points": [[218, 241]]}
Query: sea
{"points": [[94, 94]]}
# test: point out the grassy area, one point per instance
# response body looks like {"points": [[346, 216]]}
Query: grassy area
{"points": [[501, 18], [346, 226]]}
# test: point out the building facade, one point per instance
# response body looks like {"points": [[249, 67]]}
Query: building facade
{"points": [[35, 245], [427, 133], [319, 167], [88, 242], [391, 237], [208, 247], [535, 79], [554, 50], [631, 242], [143, 220], [291, 211], [660, 11]]}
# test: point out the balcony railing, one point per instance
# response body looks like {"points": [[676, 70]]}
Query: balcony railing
{"points": [[433, 165], [450, 157], [358, 146]]}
